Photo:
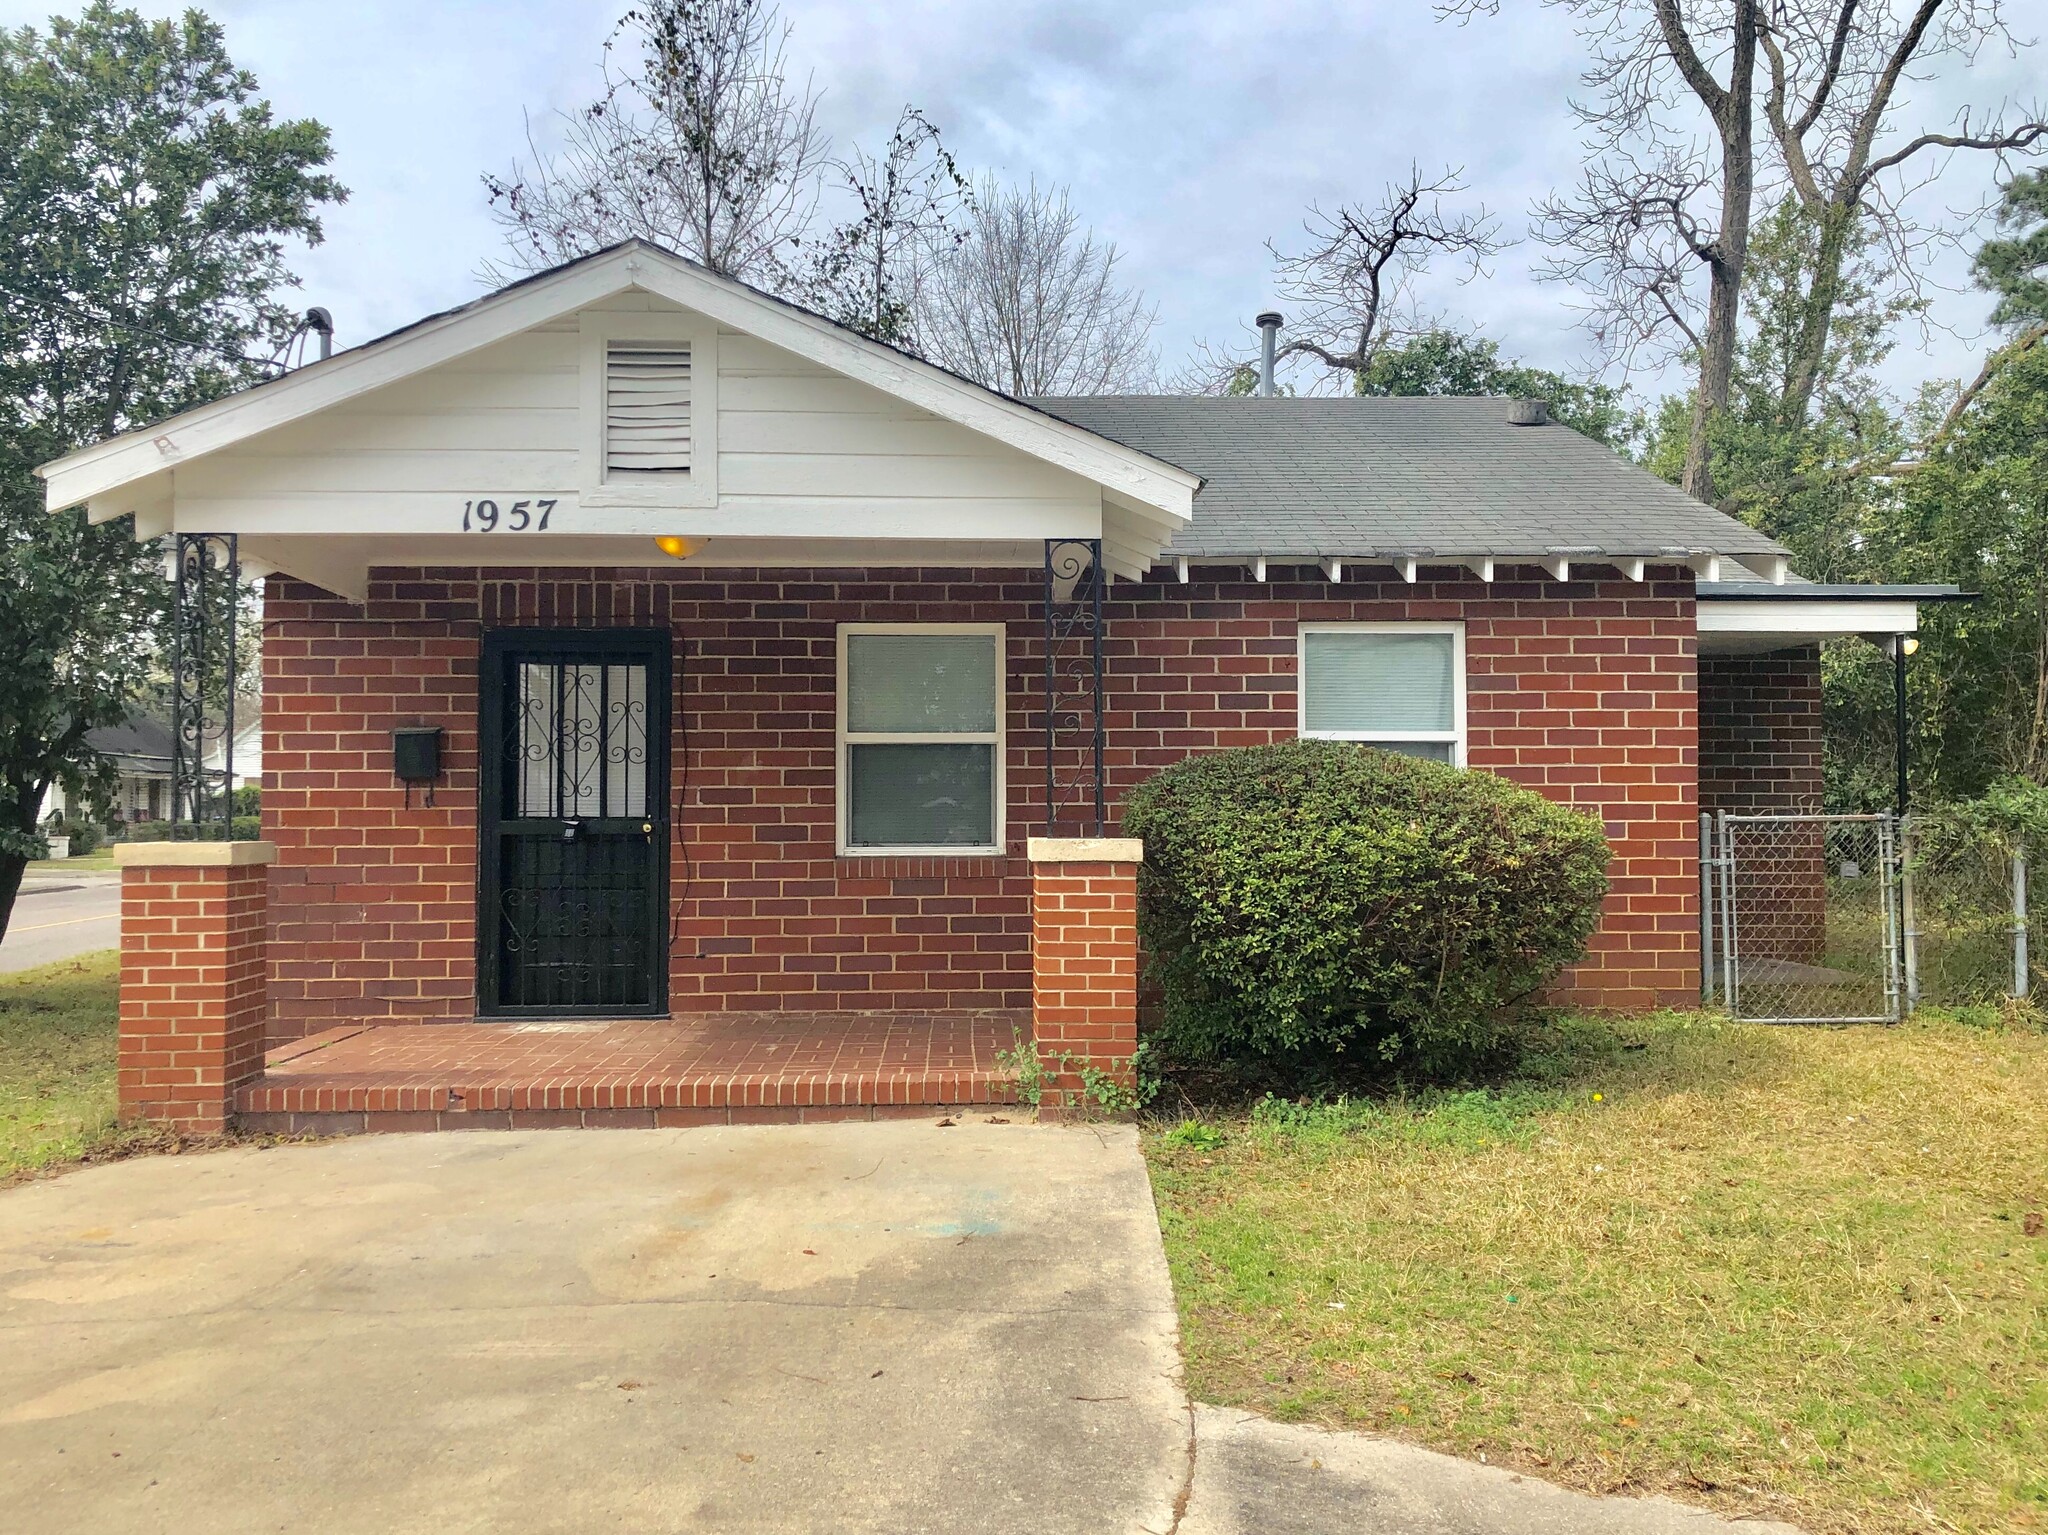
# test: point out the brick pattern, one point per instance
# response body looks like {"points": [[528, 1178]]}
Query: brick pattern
{"points": [[192, 992], [715, 1069], [1760, 754], [1584, 691], [1760, 732], [1084, 971]]}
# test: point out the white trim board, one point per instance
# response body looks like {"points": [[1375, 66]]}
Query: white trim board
{"points": [[1735, 626], [1815, 617]]}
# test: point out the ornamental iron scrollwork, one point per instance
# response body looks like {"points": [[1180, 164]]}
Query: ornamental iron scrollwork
{"points": [[1074, 780], [206, 599]]}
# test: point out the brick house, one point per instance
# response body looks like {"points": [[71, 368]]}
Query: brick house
{"points": [[715, 645]]}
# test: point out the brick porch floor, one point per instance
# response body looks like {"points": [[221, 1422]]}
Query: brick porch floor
{"points": [[721, 1068]]}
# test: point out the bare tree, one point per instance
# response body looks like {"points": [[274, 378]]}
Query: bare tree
{"points": [[1834, 70], [1031, 303], [907, 205], [1662, 203], [1350, 290], [701, 144]]}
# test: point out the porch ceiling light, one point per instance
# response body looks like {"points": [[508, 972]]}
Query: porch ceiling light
{"points": [[677, 547]]}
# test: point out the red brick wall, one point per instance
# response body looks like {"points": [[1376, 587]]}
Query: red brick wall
{"points": [[192, 991], [1585, 692], [1760, 732], [1760, 754]]}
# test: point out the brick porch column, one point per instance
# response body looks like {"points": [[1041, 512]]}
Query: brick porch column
{"points": [[1084, 957], [192, 978]]}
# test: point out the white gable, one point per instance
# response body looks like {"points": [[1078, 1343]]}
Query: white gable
{"points": [[454, 442]]}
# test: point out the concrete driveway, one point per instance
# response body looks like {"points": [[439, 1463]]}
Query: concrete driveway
{"points": [[838, 1327], [60, 916]]}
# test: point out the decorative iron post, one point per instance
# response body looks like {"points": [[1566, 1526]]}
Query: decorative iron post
{"points": [[206, 592], [1073, 673]]}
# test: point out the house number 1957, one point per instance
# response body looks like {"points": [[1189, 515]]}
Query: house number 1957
{"points": [[484, 516]]}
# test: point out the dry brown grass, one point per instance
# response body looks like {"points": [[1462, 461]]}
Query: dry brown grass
{"points": [[1781, 1270]]}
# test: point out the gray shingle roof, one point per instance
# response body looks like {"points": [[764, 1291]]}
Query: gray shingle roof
{"points": [[1437, 475]]}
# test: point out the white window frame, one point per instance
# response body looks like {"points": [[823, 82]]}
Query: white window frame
{"points": [[842, 777], [1455, 735], [599, 329]]}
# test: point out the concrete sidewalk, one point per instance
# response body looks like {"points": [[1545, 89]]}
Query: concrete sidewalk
{"points": [[888, 1327], [1254, 1477]]}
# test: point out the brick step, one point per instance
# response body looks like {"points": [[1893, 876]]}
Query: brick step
{"points": [[393, 1121], [715, 1069]]}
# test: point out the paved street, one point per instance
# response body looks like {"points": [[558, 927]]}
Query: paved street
{"points": [[60, 916]]}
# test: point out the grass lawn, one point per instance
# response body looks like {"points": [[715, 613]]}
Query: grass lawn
{"points": [[57, 1065], [1794, 1271], [84, 863]]}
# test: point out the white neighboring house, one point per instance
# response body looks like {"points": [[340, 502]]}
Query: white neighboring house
{"points": [[141, 750]]}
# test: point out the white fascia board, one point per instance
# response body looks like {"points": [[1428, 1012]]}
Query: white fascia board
{"points": [[1815, 617], [1483, 569], [1634, 570], [1408, 568], [1774, 568], [92, 472], [1559, 566], [1333, 568]]}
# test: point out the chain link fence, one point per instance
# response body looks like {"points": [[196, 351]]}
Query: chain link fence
{"points": [[1862, 918]]}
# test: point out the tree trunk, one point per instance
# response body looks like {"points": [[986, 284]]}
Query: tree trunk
{"points": [[12, 867], [1734, 118], [1817, 313]]}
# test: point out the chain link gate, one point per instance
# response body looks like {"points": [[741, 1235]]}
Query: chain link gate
{"points": [[1802, 917]]}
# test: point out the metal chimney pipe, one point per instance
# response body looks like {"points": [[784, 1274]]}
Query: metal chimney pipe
{"points": [[322, 323], [1269, 333]]}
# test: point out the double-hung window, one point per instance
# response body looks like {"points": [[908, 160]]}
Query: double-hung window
{"points": [[920, 738], [1396, 685]]}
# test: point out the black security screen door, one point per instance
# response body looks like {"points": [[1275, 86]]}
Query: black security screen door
{"points": [[574, 846]]}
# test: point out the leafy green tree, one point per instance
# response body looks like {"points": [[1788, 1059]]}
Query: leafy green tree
{"points": [[1442, 361], [1782, 474], [146, 197], [2015, 267]]}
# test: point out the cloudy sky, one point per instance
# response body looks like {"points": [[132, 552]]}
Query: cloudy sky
{"points": [[1190, 133]]}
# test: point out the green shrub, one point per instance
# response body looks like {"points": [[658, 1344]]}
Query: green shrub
{"points": [[85, 835], [249, 800], [1318, 896], [245, 828]]}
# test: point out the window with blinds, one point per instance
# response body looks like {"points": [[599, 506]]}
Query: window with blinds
{"points": [[920, 739], [646, 410], [1401, 686]]}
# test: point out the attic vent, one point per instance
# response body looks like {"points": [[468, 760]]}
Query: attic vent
{"points": [[646, 410]]}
